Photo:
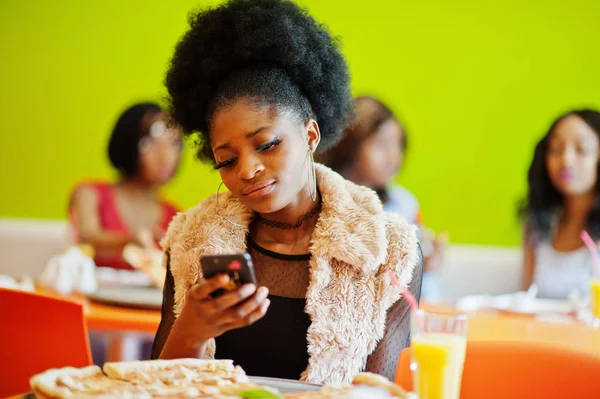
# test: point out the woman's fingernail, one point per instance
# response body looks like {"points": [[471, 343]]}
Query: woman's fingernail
{"points": [[247, 290], [265, 305], [262, 294]]}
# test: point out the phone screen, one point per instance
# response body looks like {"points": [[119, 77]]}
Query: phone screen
{"points": [[238, 266]]}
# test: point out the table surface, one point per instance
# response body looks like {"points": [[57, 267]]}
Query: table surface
{"points": [[483, 326], [494, 326], [113, 318]]}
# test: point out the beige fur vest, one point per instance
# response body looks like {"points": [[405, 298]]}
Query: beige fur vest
{"points": [[353, 245]]}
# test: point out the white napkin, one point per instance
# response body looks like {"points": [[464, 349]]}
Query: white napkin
{"points": [[69, 272], [24, 284]]}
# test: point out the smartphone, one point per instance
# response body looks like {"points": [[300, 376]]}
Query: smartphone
{"points": [[238, 266]]}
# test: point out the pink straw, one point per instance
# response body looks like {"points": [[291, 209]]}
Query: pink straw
{"points": [[414, 306], [589, 242]]}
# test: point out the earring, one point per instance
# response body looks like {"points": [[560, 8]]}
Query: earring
{"points": [[312, 176], [224, 217]]}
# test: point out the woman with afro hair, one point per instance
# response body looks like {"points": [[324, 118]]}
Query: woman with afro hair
{"points": [[262, 86]]}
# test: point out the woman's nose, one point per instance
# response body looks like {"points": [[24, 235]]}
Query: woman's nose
{"points": [[249, 167]]}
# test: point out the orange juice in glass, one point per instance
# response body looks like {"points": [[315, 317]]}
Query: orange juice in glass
{"points": [[438, 354], [595, 300]]}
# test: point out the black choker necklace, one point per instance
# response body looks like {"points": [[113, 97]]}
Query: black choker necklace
{"points": [[290, 226]]}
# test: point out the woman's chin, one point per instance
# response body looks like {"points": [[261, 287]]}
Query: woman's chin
{"points": [[263, 206]]}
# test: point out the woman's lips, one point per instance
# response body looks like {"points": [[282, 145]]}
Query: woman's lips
{"points": [[259, 189], [566, 175]]}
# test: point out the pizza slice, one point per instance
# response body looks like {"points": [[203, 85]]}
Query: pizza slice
{"points": [[178, 371], [89, 382], [207, 376], [83, 383], [378, 381]]}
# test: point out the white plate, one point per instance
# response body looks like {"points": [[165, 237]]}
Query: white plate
{"points": [[110, 277], [535, 306], [285, 386], [134, 297], [514, 303]]}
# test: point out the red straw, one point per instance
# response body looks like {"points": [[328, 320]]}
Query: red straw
{"points": [[589, 242], [414, 306]]}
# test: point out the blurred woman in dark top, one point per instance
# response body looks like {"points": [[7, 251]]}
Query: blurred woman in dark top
{"points": [[371, 153]]}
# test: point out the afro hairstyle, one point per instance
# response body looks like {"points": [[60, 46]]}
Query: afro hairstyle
{"points": [[269, 52]]}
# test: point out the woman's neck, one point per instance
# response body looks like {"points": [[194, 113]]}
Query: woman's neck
{"points": [[577, 207], [136, 188], [302, 208]]}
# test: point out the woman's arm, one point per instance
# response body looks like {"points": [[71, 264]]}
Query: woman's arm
{"points": [[528, 258], [204, 317], [163, 339], [167, 315], [384, 359], [84, 204]]}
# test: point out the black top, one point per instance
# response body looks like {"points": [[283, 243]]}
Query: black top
{"points": [[274, 346]]}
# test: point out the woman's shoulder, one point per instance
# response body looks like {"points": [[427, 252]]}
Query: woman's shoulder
{"points": [[90, 190], [212, 216], [180, 220], [400, 193], [399, 230], [97, 185], [402, 201]]}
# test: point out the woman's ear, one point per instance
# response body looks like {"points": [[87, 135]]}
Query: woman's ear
{"points": [[313, 134]]}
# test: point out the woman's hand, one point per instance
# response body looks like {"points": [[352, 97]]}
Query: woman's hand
{"points": [[204, 317], [435, 257]]}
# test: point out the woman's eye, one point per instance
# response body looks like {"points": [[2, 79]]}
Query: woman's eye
{"points": [[269, 145], [224, 164], [554, 150]]}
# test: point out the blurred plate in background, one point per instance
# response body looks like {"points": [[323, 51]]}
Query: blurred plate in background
{"points": [[133, 297], [109, 277]]}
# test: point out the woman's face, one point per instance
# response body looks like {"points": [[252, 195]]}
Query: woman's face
{"points": [[159, 151], [380, 156], [263, 155], [572, 158]]}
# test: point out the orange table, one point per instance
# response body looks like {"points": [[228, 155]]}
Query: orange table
{"points": [[489, 326], [117, 318], [494, 326], [113, 318]]}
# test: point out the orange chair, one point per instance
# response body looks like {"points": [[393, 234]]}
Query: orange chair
{"points": [[38, 333], [500, 370]]}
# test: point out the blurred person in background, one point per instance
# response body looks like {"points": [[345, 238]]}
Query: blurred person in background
{"points": [[108, 216], [562, 201], [371, 153]]}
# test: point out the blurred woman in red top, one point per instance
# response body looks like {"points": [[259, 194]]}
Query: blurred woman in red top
{"points": [[108, 216]]}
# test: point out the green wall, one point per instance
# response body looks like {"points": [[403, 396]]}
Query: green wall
{"points": [[477, 82]]}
